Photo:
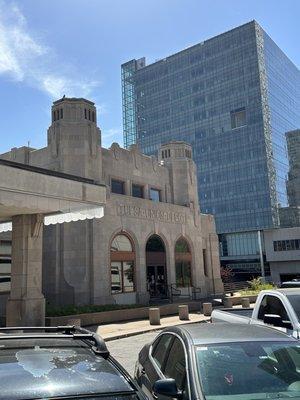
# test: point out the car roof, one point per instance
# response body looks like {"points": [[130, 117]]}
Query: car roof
{"points": [[48, 366], [289, 291], [210, 333], [67, 331]]}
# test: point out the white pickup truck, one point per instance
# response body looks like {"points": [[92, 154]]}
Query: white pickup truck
{"points": [[279, 308]]}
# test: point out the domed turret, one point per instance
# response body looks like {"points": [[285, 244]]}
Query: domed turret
{"points": [[75, 139]]}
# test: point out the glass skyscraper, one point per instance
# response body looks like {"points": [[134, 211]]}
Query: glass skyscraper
{"points": [[231, 97]]}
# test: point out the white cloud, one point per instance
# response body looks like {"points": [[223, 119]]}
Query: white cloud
{"points": [[112, 135], [57, 85], [101, 108], [26, 59]]}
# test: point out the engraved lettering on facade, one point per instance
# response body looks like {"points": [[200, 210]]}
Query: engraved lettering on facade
{"points": [[151, 214]]}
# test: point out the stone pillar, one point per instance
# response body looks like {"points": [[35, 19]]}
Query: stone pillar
{"points": [[26, 304], [183, 312], [154, 316], [227, 302], [207, 309], [245, 302]]}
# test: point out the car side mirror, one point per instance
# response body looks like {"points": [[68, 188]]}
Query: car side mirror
{"points": [[168, 388], [276, 320]]}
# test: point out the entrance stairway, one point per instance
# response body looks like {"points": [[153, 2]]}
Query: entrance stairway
{"points": [[172, 294]]}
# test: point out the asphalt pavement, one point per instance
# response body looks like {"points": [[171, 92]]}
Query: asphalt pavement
{"points": [[126, 350]]}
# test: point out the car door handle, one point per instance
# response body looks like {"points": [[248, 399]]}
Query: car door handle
{"points": [[154, 395]]}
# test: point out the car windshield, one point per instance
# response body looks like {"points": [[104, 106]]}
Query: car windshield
{"points": [[46, 368], [250, 370], [295, 302]]}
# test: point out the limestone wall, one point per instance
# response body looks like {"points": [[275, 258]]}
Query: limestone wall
{"points": [[76, 256]]}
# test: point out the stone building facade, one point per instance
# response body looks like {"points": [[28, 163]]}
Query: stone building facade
{"points": [[152, 243]]}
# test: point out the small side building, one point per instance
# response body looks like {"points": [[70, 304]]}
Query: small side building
{"points": [[282, 248], [152, 243], [283, 244], [290, 216]]}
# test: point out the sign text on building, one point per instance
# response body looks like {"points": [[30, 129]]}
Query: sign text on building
{"points": [[151, 214]]}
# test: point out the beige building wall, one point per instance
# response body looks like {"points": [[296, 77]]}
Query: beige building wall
{"points": [[76, 261], [285, 262]]}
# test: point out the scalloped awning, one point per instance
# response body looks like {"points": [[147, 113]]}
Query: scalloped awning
{"points": [[82, 215]]}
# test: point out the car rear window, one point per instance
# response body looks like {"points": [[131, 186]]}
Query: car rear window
{"points": [[45, 368], [295, 302], [250, 370]]}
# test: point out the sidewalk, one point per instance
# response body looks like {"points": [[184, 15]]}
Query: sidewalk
{"points": [[124, 329]]}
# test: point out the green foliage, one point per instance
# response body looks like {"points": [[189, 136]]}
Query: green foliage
{"points": [[226, 274], [71, 310], [255, 286]]}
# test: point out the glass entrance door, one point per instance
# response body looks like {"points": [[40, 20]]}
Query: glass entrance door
{"points": [[157, 280]]}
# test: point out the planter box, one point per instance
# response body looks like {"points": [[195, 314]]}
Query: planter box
{"points": [[108, 317], [131, 314], [238, 300]]}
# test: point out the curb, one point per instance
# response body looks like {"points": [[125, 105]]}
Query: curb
{"points": [[136, 333], [148, 330]]}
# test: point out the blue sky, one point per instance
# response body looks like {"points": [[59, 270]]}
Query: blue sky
{"points": [[49, 48]]}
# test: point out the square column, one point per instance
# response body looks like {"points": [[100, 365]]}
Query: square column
{"points": [[26, 304]]}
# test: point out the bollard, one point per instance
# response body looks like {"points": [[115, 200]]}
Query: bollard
{"points": [[74, 321], [207, 309], [183, 312], [245, 302], [98, 331], [227, 302], [154, 316]]}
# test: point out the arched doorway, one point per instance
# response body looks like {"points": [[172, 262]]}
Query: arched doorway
{"points": [[156, 267], [183, 263], [122, 267]]}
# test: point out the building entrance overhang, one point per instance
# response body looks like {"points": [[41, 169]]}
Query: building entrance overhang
{"points": [[59, 197], [29, 198]]}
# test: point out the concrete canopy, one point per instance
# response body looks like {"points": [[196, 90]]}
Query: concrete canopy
{"points": [[27, 195], [31, 190]]}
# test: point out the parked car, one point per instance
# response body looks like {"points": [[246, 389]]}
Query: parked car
{"points": [[279, 308], [219, 361], [291, 284], [61, 363]]}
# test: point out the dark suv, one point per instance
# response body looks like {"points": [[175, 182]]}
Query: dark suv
{"points": [[60, 363]]}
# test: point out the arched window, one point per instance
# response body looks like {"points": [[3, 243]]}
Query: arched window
{"points": [[156, 267], [155, 244], [122, 258], [183, 262]]}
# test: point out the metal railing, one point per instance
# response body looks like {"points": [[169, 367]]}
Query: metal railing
{"points": [[172, 292], [231, 287]]}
